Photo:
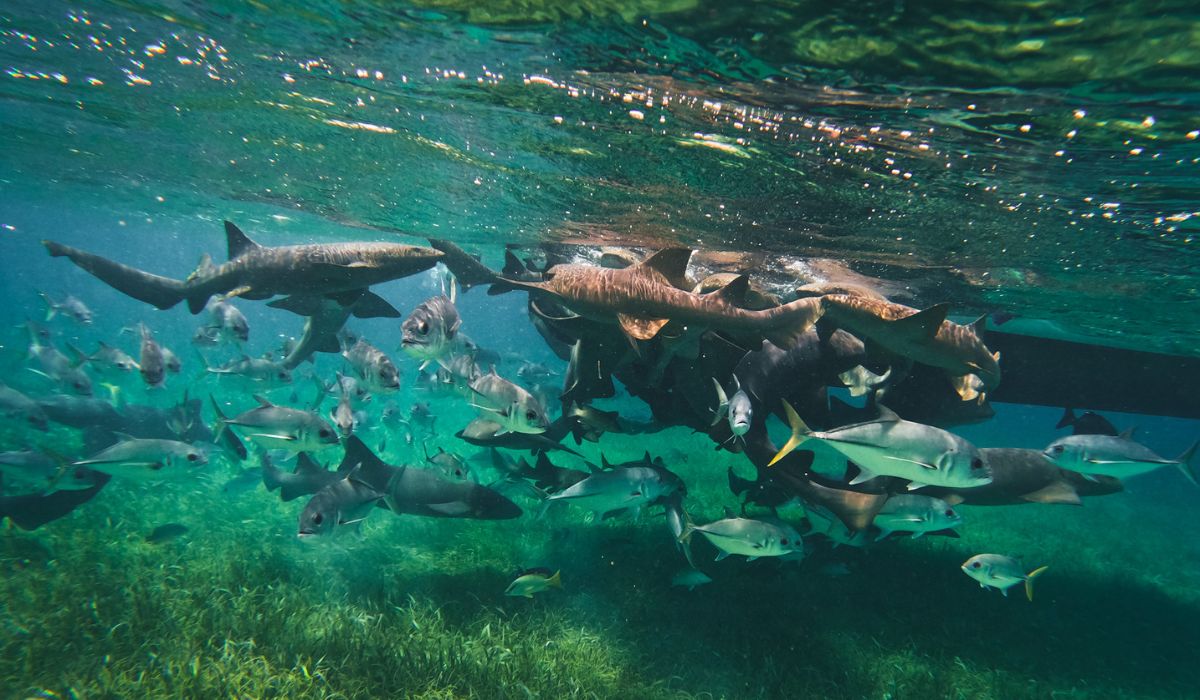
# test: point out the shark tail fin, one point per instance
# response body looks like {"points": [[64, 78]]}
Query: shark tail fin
{"points": [[158, 291], [800, 433], [1029, 581], [1185, 463]]}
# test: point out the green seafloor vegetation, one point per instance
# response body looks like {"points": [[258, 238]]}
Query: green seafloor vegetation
{"points": [[238, 607]]}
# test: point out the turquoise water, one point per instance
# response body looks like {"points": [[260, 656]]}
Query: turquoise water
{"points": [[1031, 161]]}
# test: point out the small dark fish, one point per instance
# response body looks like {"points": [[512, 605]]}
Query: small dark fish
{"points": [[166, 533], [1086, 423]]}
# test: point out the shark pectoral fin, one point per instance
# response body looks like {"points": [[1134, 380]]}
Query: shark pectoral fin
{"points": [[923, 324], [328, 343], [452, 509], [300, 304], [913, 485], [751, 558], [1056, 492], [968, 387], [721, 554], [918, 533], [371, 305], [641, 328], [864, 474]]}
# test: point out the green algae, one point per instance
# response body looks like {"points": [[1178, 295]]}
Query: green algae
{"points": [[415, 608]]}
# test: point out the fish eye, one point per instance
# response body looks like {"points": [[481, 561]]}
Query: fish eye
{"points": [[423, 327], [318, 519], [977, 463], [325, 432], [976, 565], [531, 415], [783, 541], [949, 512], [1057, 449], [192, 457]]}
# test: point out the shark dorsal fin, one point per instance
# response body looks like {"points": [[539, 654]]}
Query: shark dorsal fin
{"points": [[979, 325], [306, 465], [671, 263], [263, 402], [543, 462], [1127, 434], [358, 454], [735, 292], [238, 242], [729, 512], [925, 323]]}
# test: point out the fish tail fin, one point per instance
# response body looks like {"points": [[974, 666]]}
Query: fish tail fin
{"points": [[1029, 581], [555, 580], [722, 402], [800, 433], [1185, 463], [51, 312], [162, 292], [222, 421]]}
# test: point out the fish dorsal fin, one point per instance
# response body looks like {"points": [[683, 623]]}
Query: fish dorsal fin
{"points": [[735, 292], [604, 465], [1068, 418], [729, 512], [205, 266], [123, 437], [306, 465], [238, 242], [671, 263], [925, 323], [641, 328]]}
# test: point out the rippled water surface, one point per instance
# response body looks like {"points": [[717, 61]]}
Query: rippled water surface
{"points": [[1031, 157]]}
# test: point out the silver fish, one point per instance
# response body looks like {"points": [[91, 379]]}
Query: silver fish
{"points": [[148, 460], [430, 332], [153, 364], [749, 537], [917, 514], [282, 428], [890, 446], [372, 366], [514, 408], [999, 571], [229, 322], [14, 404], [618, 490], [70, 307], [1117, 456]]}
